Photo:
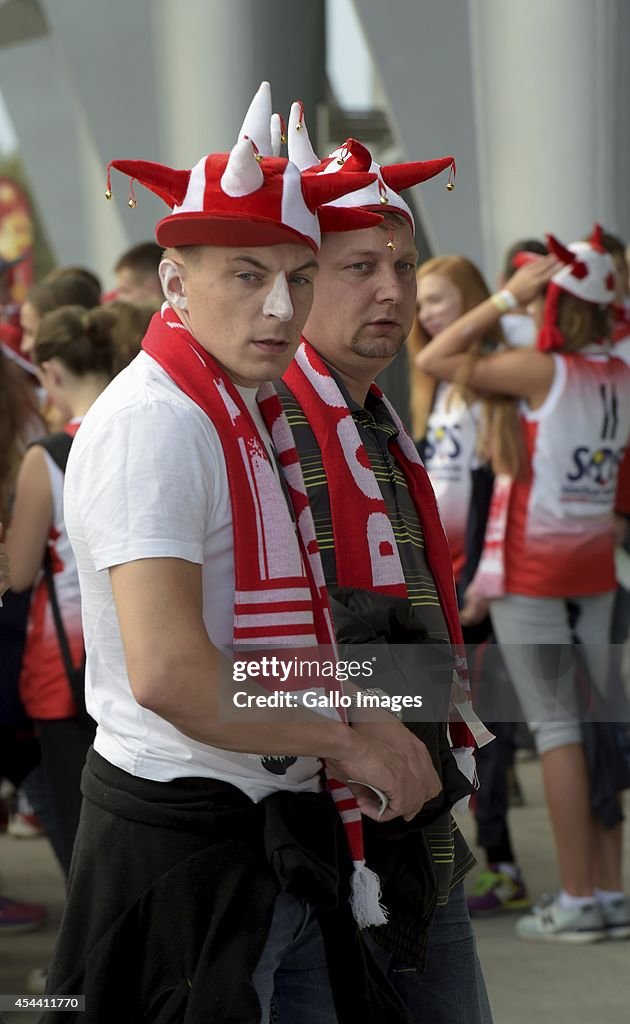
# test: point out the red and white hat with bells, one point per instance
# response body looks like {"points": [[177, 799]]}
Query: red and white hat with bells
{"points": [[349, 212], [250, 196], [588, 273]]}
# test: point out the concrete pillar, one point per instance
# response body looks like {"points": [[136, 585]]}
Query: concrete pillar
{"points": [[553, 130], [421, 51], [55, 143], [107, 55], [153, 80], [213, 54], [532, 100]]}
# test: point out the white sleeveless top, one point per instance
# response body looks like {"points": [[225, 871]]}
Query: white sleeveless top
{"points": [[559, 540], [450, 455]]}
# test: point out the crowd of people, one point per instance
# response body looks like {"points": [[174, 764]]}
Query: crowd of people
{"points": [[198, 469]]}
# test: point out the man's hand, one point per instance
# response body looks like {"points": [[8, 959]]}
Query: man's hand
{"points": [[394, 761], [5, 575]]}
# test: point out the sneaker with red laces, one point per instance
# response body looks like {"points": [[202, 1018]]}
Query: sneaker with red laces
{"points": [[497, 892], [18, 917]]}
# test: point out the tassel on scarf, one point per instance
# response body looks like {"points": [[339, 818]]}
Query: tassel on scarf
{"points": [[365, 896]]}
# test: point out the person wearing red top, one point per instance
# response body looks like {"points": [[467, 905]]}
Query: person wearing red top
{"points": [[74, 350], [548, 564]]}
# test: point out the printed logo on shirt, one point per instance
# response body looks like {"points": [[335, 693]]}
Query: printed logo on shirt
{"points": [[598, 466], [443, 443]]}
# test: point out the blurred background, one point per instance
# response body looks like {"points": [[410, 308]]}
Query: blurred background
{"points": [[529, 97]]}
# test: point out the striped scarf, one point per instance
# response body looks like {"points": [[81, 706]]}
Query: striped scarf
{"points": [[366, 553], [280, 595]]}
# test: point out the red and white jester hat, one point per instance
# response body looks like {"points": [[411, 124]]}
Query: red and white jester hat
{"points": [[588, 273], [349, 212], [250, 196]]}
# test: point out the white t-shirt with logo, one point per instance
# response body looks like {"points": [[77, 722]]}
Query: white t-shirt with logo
{"points": [[450, 455], [559, 538], [146, 478]]}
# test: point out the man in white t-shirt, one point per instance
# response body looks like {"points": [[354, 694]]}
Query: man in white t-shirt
{"points": [[206, 842]]}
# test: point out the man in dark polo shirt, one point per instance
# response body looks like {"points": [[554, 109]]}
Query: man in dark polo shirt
{"points": [[368, 508]]}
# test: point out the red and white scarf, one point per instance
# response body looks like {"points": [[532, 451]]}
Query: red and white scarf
{"points": [[489, 578], [366, 553], [280, 592]]}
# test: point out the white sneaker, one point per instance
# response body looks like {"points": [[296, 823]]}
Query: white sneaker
{"points": [[616, 915], [549, 922]]}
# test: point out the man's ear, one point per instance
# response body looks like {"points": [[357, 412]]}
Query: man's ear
{"points": [[172, 279]]}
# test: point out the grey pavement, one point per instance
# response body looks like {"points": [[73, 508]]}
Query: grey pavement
{"points": [[529, 983]]}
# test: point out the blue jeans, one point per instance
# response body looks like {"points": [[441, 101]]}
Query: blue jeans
{"points": [[452, 989], [291, 978]]}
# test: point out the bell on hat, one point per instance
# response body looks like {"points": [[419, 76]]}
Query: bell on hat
{"points": [[588, 273], [348, 212], [247, 197]]}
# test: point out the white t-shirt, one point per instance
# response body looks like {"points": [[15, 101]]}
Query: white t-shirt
{"points": [[146, 478], [450, 455], [519, 329]]}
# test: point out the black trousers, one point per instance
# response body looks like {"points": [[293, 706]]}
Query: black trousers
{"points": [[64, 744]]}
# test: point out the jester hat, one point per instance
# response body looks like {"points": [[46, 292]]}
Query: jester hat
{"points": [[588, 273], [248, 197], [361, 209]]}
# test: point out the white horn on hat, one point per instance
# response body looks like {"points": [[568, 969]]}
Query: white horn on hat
{"points": [[277, 134], [243, 174], [258, 119], [300, 151]]}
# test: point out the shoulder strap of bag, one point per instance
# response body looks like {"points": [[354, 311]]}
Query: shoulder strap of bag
{"points": [[58, 447]]}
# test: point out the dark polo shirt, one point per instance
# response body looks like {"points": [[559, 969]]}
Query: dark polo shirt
{"points": [[451, 856]]}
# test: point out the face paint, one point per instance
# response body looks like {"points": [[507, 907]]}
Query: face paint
{"points": [[278, 302], [172, 284]]}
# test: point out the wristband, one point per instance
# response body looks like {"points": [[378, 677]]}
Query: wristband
{"points": [[504, 300]]}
